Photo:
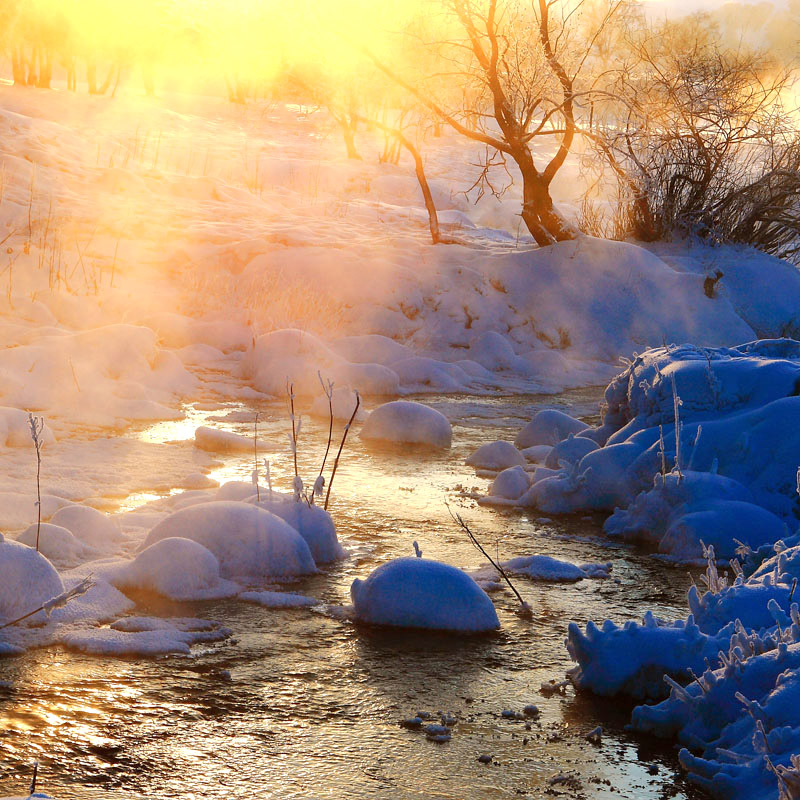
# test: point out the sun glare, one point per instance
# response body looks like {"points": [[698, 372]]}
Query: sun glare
{"points": [[194, 41]]}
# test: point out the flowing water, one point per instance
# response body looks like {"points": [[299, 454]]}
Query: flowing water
{"points": [[312, 703]]}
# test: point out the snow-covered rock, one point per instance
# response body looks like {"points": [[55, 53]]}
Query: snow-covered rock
{"points": [[91, 526], [251, 544], [548, 426], [418, 593], [313, 523], [299, 356], [219, 441], [496, 456], [27, 581], [58, 545], [180, 569], [510, 484], [405, 422]]}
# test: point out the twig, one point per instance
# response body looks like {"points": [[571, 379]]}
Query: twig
{"points": [[36, 425], [525, 609], [341, 447], [55, 602], [255, 456]]}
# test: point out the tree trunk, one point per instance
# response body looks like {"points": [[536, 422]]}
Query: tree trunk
{"points": [[543, 222], [349, 134], [91, 77], [18, 66]]}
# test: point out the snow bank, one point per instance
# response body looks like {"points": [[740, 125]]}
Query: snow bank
{"points": [[100, 376], [404, 422], [300, 356], [731, 668], [251, 544], [734, 476], [418, 593], [496, 456]]}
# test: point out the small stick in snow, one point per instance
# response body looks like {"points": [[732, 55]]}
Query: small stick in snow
{"points": [[525, 609], [32, 788], [56, 602], [255, 457], [328, 389], [36, 425], [341, 447], [290, 392]]}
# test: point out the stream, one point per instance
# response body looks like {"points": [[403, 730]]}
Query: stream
{"points": [[301, 703]]}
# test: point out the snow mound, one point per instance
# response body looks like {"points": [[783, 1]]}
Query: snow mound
{"points": [[496, 456], [569, 451], [100, 376], [15, 429], [343, 402], [180, 569], [217, 441], [27, 581], [405, 422], [510, 484], [58, 545], [313, 523], [250, 543], [548, 426], [89, 525], [418, 593], [300, 356]]}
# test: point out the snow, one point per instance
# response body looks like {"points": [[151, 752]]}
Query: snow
{"points": [[510, 484], [177, 568], [27, 581], [219, 441], [406, 422], [548, 427], [734, 479], [145, 638], [58, 545], [496, 456], [251, 544], [279, 599], [89, 525], [313, 523], [15, 429], [419, 593]]}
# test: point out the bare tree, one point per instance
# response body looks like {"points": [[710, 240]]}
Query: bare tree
{"points": [[513, 69], [701, 141]]}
